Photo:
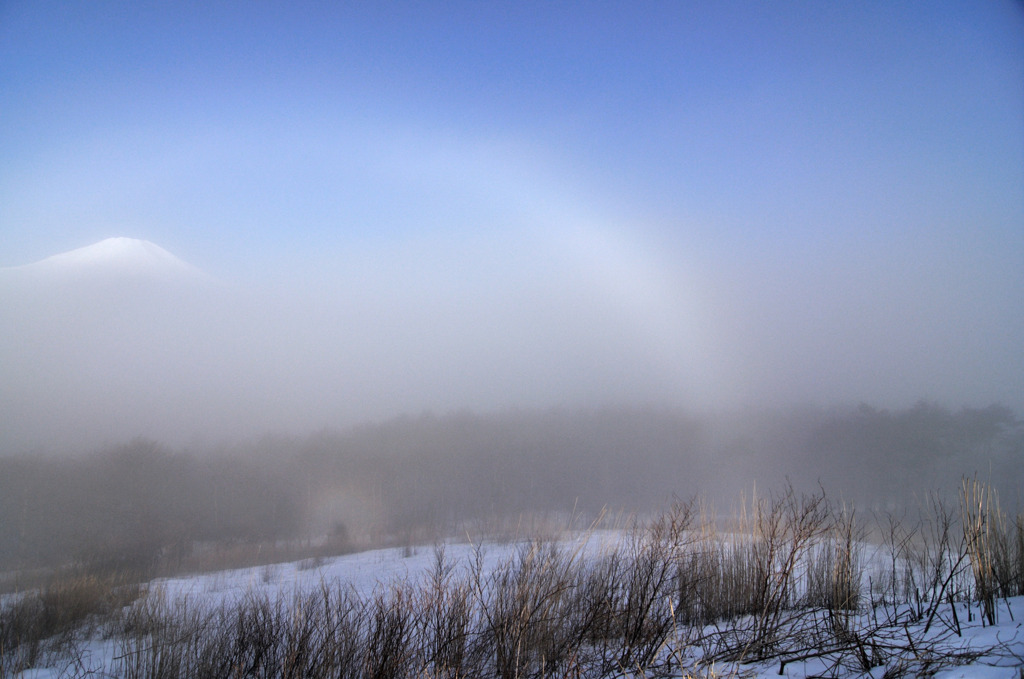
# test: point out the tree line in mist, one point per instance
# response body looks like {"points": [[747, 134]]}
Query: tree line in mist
{"points": [[413, 478]]}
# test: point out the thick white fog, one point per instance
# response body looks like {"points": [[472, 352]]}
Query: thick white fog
{"points": [[101, 349]]}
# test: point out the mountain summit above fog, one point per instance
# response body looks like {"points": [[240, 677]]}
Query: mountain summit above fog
{"points": [[112, 258], [109, 340]]}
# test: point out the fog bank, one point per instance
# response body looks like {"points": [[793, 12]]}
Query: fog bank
{"points": [[100, 354]]}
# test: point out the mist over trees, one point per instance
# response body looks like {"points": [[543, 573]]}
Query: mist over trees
{"points": [[124, 508], [141, 505]]}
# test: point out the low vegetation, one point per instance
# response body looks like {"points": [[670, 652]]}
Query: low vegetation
{"points": [[791, 577]]}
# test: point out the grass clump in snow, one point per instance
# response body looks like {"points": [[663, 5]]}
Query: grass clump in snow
{"points": [[48, 622]]}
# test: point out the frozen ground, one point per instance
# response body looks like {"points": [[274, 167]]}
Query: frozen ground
{"points": [[1003, 643], [363, 571]]}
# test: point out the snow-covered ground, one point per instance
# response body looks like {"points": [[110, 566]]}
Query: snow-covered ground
{"points": [[1001, 645], [364, 571]]}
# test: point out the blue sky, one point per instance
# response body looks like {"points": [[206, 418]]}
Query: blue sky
{"points": [[824, 180], [737, 121]]}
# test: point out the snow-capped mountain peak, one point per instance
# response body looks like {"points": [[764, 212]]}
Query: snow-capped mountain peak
{"points": [[114, 257]]}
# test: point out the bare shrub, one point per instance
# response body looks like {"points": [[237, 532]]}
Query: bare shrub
{"points": [[445, 620], [523, 604], [389, 644], [834, 574], [1007, 545], [785, 527]]}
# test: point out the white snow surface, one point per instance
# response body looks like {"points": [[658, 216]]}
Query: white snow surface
{"points": [[363, 571], [370, 570]]}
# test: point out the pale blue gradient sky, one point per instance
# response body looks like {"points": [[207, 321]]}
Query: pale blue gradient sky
{"points": [[820, 200]]}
